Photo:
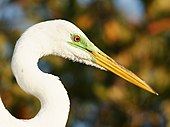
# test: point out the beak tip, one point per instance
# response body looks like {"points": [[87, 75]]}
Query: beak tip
{"points": [[156, 94]]}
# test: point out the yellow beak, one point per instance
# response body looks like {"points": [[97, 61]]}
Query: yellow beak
{"points": [[108, 63]]}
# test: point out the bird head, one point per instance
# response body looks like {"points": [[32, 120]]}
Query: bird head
{"points": [[70, 42]]}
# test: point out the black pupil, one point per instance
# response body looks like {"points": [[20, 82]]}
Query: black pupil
{"points": [[76, 38]]}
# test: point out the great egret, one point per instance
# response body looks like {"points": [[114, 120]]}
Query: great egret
{"points": [[62, 38]]}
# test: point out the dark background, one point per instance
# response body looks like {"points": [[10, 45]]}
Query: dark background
{"points": [[135, 33]]}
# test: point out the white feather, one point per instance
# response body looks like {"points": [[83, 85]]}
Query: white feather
{"points": [[44, 38]]}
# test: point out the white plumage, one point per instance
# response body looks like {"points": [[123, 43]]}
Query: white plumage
{"points": [[45, 38], [53, 37]]}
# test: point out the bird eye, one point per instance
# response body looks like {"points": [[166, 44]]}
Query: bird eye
{"points": [[76, 38]]}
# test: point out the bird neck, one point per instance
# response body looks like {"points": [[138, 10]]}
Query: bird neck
{"points": [[46, 87]]}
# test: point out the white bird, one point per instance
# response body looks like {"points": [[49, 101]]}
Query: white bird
{"points": [[62, 38]]}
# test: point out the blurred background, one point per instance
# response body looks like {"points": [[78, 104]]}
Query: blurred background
{"points": [[136, 33]]}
